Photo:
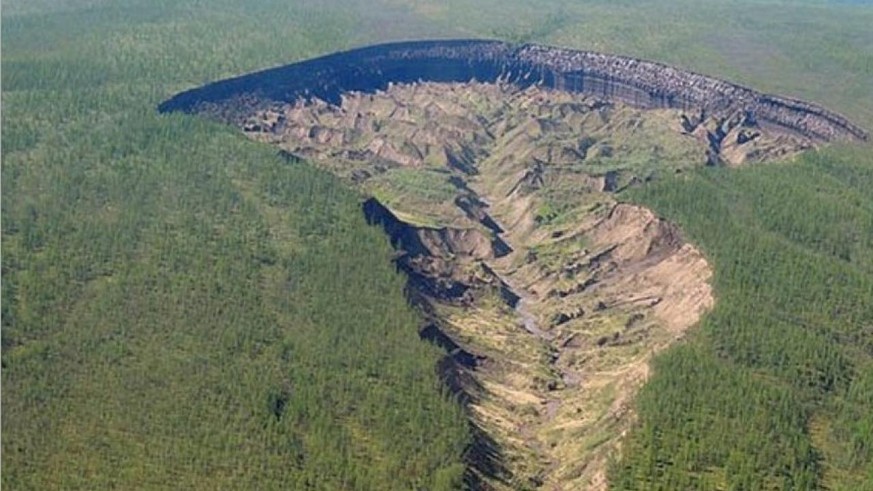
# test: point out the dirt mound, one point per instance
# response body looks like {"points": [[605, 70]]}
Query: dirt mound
{"points": [[648, 263]]}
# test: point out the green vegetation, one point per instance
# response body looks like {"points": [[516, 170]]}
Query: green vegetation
{"points": [[429, 192], [774, 390], [182, 308]]}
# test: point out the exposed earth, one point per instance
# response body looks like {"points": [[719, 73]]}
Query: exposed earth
{"points": [[553, 295], [501, 197]]}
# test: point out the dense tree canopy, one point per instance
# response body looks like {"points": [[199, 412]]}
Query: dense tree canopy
{"points": [[774, 391], [182, 308]]}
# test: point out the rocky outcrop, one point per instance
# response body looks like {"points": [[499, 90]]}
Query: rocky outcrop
{"points": [[636, 82]]}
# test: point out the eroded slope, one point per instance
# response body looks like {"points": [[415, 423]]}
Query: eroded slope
{"points": [[553, 295]]}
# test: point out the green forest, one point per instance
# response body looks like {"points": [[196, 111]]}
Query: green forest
{"points": [[775, 389], [184, 309]]}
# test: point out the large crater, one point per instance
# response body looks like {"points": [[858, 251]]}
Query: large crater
{"points": [[497, 171]]}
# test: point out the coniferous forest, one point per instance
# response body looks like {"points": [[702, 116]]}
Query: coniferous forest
{"points": [[775, 389], [184, 309]]}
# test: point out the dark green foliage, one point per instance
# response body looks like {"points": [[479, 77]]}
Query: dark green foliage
{"points": [[774, 391], [182, 309], [205, 315]]}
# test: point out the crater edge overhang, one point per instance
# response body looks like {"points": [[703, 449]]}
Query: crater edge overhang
{"points": [[632, 81]]}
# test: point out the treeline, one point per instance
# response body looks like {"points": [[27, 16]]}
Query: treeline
{"points": [[182, 308], [208, 316], [774, 390]]}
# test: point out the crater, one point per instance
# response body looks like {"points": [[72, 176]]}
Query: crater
{"points": [[497, 172]]}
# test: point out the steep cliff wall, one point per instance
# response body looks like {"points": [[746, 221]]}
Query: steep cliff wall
{"points": [[636, 82]]}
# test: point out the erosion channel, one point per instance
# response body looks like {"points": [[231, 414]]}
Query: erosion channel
{"points": [[497, 171]]}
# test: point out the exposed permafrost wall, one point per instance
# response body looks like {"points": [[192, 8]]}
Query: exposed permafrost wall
{"points": [[636, 82]]}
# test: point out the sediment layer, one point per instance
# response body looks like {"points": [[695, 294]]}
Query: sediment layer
{"points": [[640, 83]]}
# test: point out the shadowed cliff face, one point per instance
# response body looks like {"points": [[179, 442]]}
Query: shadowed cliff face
{"points": [[635, 82]]}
